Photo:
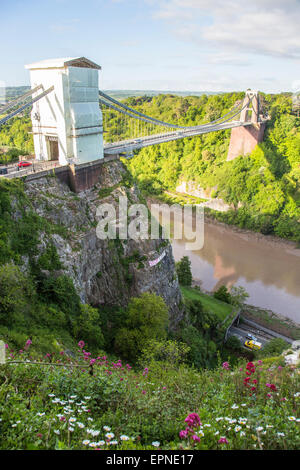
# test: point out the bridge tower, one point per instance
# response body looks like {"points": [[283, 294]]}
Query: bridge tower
{"points": [[244, 139], [67, 123]]}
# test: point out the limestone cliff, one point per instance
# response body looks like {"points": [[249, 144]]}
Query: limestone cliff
{"points": [[103, 271]]}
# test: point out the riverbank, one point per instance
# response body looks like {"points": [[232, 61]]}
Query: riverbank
{"points": [[272, 240]]}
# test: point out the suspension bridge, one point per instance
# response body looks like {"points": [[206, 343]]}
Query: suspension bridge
{"points": [[71, 117]]}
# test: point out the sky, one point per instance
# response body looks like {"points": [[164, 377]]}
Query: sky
{"points": [[170, 45]]}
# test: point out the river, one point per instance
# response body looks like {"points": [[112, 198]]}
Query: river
{"points": [[267, 268]]}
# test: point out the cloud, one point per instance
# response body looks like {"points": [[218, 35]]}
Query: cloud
{"points": [[266, 27]]}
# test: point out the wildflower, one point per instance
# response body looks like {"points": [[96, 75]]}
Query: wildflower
{"points": [[56, 431], [193, 420], [280, 434], [93, 444], [72, 420], [106, 428], [101, 443], [156, 443], [291, 418], [86, 442], [70, 429], [80, 425], [110, 435], [40, 414], [259, 429], [183, 434], [234, 407], [225, 365], [124, 438], [242, 433], [196, 438], [143, 392], [237, 428], [81, 344], [222, 440], [114, 443]]}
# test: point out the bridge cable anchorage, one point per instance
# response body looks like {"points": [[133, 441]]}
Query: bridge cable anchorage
{"points": [[175, 126], [19, 110], [22, 98]]}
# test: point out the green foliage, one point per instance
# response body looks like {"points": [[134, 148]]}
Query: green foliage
{"points": [[184, 272], [88, 325], [273, 348], [147, 318], [223, 294]]}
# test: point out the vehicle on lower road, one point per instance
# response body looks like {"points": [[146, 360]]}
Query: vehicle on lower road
{"points": [[254, 345], [250, 336], [24, 164]]}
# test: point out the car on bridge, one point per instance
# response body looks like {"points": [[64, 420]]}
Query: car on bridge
{"points": [[254, 345], [24, 164]]}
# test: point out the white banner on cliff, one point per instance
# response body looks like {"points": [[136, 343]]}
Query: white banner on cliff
{"points": [[157, 260]]}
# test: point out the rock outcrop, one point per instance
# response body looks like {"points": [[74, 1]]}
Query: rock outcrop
{"points": [[103, 271]]}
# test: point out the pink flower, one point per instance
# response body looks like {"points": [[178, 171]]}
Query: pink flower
{"points": [[183, 434], [6, 346], [225, 365], [143, 392], [222, 440], [81, 344], [196, 438], [193, 420]]}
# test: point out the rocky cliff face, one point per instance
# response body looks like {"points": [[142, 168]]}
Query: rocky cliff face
{"points": [[103, 271]]}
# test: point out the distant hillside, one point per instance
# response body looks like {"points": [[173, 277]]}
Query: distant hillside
{"points": [[10, 92]]}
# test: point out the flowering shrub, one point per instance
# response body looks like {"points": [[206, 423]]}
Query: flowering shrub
{"points": [[95, 403]]}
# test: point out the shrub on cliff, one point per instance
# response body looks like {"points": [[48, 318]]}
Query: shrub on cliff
{"points": [[147, 319], [184, 272]]}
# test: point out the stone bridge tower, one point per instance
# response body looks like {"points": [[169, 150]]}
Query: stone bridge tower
{"points": [[67, 123], [244, 139]]}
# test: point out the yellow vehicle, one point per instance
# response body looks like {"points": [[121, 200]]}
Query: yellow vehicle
{"points": [[253, 344]]}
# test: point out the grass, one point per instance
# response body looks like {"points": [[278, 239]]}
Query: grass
{"points": [[221, 309]]}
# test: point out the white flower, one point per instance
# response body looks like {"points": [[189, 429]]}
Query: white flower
{"points": [[73, 396], [87, 398], [86, 442], [244, 404], [110, 435], [242, 433], [113, 443], [56, 431], [71, 429], [106, 428], [237, 428], [40, 414], [93, 444], [219, 419], [280, 434], [291, 418], [156, 443], [95, 433], [234, 407], [124, 438], [216, 433], [51, 395], [80, 425], [206, 425], [101, 443], [72, 420], [259, 428]]}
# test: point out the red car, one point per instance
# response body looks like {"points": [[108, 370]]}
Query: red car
{"points": [[23, 164]]}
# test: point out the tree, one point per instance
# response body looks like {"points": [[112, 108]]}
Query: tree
{"points": [[223, 294], [238, 295], [147, 319], [184, 273]]}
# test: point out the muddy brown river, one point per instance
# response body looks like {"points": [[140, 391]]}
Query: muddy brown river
{"points": [[267, 268]]}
